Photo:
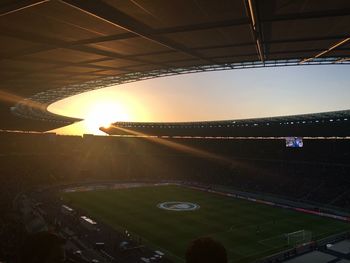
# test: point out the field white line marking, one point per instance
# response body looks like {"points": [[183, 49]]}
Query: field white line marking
{"points": [[239, 227], [273, 237], [234, 228]]}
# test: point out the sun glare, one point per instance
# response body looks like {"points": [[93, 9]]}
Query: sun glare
{"points": [[98, 108], [103, 115]]}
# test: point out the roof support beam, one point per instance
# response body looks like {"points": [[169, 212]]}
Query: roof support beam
{"points": [[308, 15], [278, 41], [19, 5], [346, 40], [103, 11], [53, 43], [57, 43], [342, 60], [57, 65], [255, 27], [203, 26]]}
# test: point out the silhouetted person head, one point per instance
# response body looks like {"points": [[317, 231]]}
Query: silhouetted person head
{"points": [[43, 247], [206, 250]]}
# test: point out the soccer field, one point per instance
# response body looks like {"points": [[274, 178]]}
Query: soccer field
{"points": [[248, 230]]}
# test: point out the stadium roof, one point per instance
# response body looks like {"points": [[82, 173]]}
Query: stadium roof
{"points": [[52, 49]]}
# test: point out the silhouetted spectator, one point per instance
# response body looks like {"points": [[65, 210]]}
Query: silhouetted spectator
{"points": [[206, 250], [43, 247]]}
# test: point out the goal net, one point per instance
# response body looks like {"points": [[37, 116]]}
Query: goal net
{"points": [[298, 237]]}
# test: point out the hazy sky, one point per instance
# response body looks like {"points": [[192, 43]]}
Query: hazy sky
{"points": [[221, 95]]}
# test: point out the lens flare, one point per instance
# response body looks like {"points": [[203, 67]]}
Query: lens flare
{"points": [[103, 115]]}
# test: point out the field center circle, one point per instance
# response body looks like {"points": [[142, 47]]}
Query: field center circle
{"points": [[178, 206]]}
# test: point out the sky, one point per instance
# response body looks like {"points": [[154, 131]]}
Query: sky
{"points": [[220, 95]]}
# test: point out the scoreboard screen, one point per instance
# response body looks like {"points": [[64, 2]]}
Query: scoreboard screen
{"points": [[294, 142]]}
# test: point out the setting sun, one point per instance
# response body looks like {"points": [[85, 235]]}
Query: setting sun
{"points": [[98, 108], [103, 114], [191, 98]]}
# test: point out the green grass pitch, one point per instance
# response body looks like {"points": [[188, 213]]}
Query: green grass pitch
{"points": [[232, 221]]}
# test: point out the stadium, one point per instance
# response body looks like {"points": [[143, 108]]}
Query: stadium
{"points": [[268, 189]]}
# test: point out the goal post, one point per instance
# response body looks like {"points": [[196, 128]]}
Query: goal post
{"points": [[298, 237]]}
